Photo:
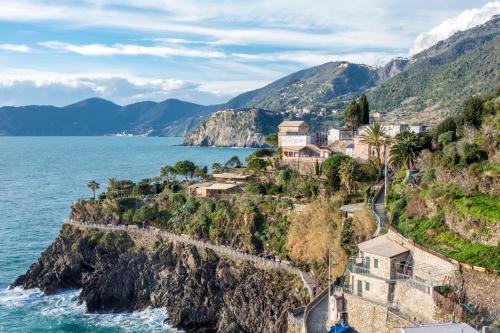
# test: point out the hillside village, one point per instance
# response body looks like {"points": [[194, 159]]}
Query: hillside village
{"points": [[349, 194]]}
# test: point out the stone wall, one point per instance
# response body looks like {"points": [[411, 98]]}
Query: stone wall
{"points": [[304, 165], [483, 290], [415, 303], [369, 317]]}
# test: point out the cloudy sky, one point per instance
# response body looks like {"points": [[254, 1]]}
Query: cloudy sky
{"points": [[61, 51]]}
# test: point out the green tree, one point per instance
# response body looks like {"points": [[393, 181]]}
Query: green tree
{"points": [[330, 170], [271, 140], [257, 165], [185, 168], [168, 172], [347, 172], [364, 109], [473, 112], [93, 186], [447, 125], [217, 167], [352, 116], [201, 172], [404, 150], [233, 162], [376, 136]]}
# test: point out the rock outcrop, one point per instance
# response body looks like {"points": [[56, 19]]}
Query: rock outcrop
{"points": [[235, 128], [201, 291]]}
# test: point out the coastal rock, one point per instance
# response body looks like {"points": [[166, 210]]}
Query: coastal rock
{"points": [[234, 128], [201, 291]]}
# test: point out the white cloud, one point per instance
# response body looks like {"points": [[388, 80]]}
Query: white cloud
{"points": [[21, 87], [466, 20], [15, 47], [131, 50]]}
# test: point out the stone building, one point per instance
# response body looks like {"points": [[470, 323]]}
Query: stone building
{"points": [[395, 272]]}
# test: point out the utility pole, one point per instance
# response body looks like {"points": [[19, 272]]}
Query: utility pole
{"points": [[329, 284], [385, 171]]}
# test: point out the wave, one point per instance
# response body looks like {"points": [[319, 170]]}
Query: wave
{"points": [[61, 313]]}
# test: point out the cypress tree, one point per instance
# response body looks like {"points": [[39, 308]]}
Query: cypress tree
{"points": [[365, 110]]}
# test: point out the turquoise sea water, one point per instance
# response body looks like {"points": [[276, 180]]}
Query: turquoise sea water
{"points": [[39, 178]]}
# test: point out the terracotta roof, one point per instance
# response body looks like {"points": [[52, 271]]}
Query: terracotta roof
{"points": [[230, 175], [293, 148], [221, 186], [292, 123], [351, 208], [382, 246]]}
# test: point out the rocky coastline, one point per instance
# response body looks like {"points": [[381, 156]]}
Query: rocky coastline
{"points": [[200, 290], [234, 128]]}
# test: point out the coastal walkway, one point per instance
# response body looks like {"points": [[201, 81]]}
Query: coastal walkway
{"points": [[307, 280]]}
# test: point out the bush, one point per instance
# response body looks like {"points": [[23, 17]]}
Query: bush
{"points": [[447, 125], [446, 138], [330, 169], [470, 152], [429, 176]]}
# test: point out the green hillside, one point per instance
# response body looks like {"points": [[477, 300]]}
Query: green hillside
{"points": [[437, 80]]}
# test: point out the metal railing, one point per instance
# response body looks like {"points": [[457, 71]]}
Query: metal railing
{"points": [[223, 250], [410, 280]]}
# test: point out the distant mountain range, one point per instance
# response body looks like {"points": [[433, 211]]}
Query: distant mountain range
{"points": [[96, 116], [424, 88]]}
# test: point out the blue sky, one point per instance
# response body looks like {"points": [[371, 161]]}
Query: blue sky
{"points": [[59, 52]]}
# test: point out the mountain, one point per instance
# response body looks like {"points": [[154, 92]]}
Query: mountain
{"points": [[96, 116], [437, 81], [327, 84], [235, 128]]}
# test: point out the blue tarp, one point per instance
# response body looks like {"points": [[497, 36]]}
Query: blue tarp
{"points": [[339, 328]]}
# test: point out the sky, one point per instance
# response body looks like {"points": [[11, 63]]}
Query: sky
{"points": [[61, 51]]}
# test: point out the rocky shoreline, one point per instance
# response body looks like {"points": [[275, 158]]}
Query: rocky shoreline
{"points": [[201, 290]]}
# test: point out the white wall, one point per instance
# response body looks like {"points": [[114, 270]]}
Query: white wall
{"points": [[295, 140]]}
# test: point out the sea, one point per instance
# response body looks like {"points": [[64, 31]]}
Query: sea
{"points": [[39, 179]]}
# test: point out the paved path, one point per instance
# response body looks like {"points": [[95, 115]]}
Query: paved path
{"points": [[317, 316], [307, 280], [379, 211]]}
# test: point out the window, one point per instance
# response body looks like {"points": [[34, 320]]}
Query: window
{"points": [[367, 286], [367, 263], [375, 263]]}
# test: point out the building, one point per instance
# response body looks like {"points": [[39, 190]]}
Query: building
{"points": [[232, 177], [348, 210], [213, 189], [339, 134], [378, 262], [440, 328], [293, 134], [395, 272]]}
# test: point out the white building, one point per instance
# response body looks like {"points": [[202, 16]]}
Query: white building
{"points": [[338, 134]]}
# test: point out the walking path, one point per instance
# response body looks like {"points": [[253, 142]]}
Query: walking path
{"points": [[316, 314], [307, 280], [379, 210]]}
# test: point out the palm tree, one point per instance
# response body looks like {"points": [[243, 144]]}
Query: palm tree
{"points": [[405, 149], [376, 136], [347, 172], [93, 186]]}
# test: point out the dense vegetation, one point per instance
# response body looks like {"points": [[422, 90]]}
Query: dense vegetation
{"points": [[452, 203], [440, 78]]}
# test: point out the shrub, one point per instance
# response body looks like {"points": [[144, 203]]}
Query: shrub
{"points": [[470, 152], [330, 169], [429, 176], [446, 138], [447, 125]]}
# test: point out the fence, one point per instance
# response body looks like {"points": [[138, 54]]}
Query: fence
{"points": [[223, 250]]}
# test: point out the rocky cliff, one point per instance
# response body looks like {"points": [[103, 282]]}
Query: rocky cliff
{"points": [[201, 291], [235, 128]]}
